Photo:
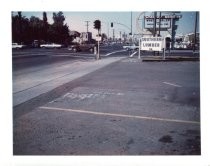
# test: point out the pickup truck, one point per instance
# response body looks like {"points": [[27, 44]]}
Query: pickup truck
{"points": [[131, 47]]}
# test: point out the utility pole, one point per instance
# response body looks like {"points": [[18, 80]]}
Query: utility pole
{"points": [[196, 15], [87, 24], [131, 23], [113, 35]]}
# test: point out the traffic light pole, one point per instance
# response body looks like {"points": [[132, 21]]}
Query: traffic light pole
{"points": [[97, 25]]}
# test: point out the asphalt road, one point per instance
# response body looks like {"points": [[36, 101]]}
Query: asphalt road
{"points": [[25, 58], [126, 108]]}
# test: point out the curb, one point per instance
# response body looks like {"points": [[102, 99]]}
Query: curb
{"points": [[27, 56], [169, 59]]}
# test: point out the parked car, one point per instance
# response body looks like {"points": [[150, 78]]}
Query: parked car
{"points": [[51, 45], [18, 46], [82, 47], [131, 47], [36, 44]]}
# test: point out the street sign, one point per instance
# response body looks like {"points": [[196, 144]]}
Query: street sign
{"points": [[98, 38], [164, 23], [152, 43]]}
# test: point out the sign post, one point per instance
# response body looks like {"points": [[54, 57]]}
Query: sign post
{"points": [[98, 38], [139, 57], [164, 52]]}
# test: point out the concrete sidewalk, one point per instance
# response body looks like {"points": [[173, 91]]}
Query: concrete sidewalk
{"points": [[30, 85]]}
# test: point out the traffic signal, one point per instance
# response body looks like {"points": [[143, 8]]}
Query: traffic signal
{"points": [[111, 24], [97, 24]]}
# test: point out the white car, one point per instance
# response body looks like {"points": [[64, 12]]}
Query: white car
{"points": [[51, 45], [17, 46], [131, 47]]}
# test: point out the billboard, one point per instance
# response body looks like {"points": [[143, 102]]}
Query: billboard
{"points": [[164, 23]]}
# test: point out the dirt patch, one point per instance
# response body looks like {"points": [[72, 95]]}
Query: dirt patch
{"points": [[166, 139]]}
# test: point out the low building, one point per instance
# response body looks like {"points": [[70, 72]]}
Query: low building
{"points": [[83, 37]]}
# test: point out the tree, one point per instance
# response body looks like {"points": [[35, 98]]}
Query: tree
{"points": [[20, 28], [45, 18], [36, 28], [27, 30], [45, 26], [58, 32], [104, 36], [58, 19]]}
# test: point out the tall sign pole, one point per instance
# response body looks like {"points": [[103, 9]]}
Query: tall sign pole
{"points": [[159, 22], [196, 15], [139, 57], [154, 26]]}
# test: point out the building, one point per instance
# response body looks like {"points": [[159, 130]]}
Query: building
{"points": [[83, 37]]}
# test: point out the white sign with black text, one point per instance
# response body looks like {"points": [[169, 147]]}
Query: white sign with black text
{"points": [[98, 38], [149, 23], [152, 43]]}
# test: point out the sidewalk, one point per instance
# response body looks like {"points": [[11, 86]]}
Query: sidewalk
{"points": [[168, 57], [31, 85]]}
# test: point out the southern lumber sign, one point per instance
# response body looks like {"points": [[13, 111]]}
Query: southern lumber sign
{"points": [[152, 43]]}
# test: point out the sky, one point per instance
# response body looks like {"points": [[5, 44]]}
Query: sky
{"points": [[122, 21]]}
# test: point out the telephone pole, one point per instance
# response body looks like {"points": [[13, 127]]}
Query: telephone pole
{"points": [[87, 24], [195, 31], [131, 23]]}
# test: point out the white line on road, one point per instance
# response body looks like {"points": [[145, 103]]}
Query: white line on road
{"points": [[176, 85], [133, 54], [121, 115], [114, 52]]}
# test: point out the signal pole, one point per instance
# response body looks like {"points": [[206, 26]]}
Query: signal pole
{"points": [[113, 35]]}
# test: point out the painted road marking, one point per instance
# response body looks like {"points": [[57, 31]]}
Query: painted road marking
{"points": [[133, 54], [114, 52], [121, 115], [95, 94], [176, 85]]}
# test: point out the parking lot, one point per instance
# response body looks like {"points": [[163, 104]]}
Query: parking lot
{"points": [[126, 108]]}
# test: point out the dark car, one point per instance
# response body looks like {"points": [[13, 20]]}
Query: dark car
{"points": [[82, 47]]}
